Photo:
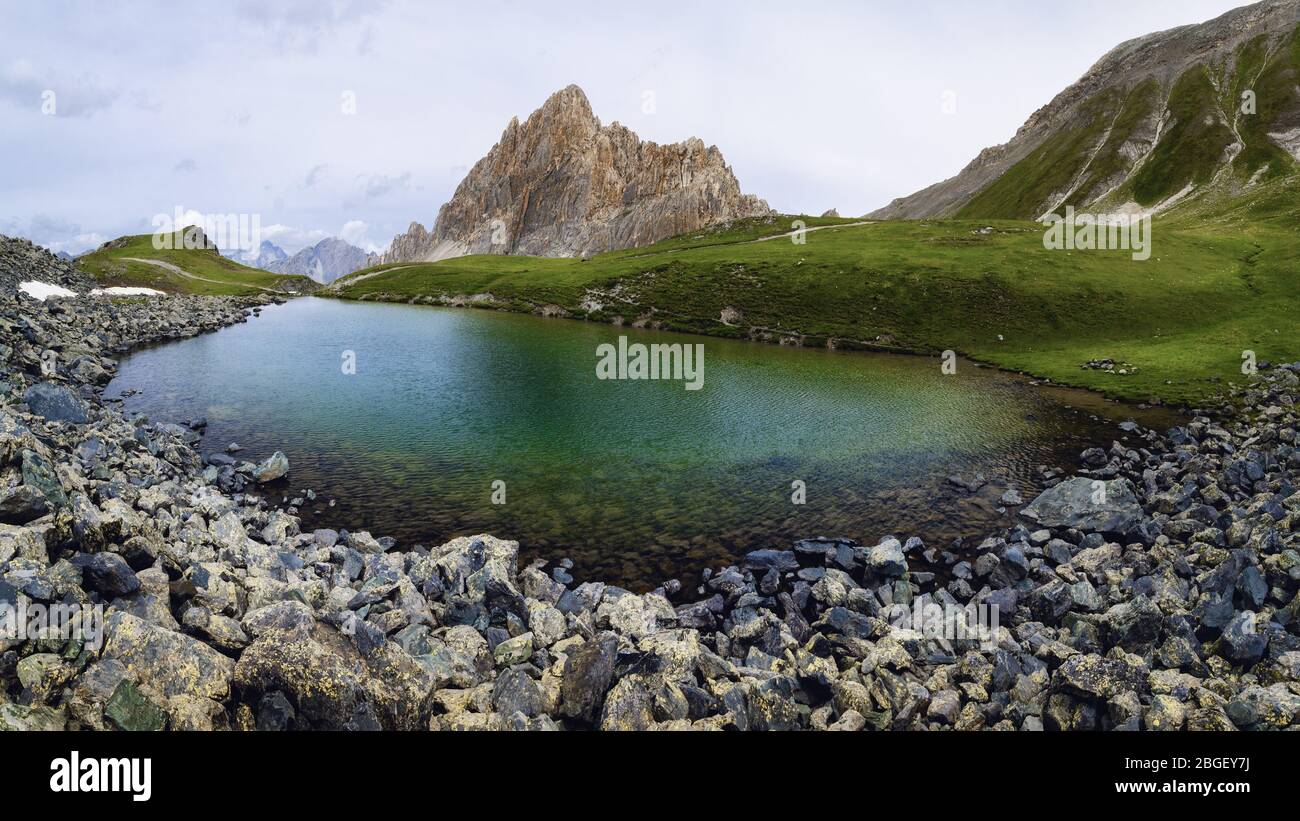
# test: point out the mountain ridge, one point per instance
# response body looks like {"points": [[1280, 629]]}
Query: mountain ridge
{"points": [[325, 261], [1147, 125]]}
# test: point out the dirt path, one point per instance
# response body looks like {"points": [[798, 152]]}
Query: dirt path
{"points": [[339, 284], [167, 266], [807, 231]]}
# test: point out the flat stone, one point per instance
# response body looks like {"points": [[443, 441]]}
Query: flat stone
{"points": [[56, 402], [1088, 505]]}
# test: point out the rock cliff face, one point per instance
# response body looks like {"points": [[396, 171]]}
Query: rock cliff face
{"points": [[1156, 120], [562, 184]]}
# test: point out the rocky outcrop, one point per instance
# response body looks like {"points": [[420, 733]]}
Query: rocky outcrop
{"points": [[1157, 118], [415, 245], [561, 184], [23, 261]]}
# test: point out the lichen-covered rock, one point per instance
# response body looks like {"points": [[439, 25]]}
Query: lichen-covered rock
{"points": [[130, 709], [1091, 676], [628, 706], [587, 676], [276, 466], [56, 402], [166, 662]]}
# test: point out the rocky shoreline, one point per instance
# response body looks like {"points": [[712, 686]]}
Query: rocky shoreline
{"points": [[1155, 589]]}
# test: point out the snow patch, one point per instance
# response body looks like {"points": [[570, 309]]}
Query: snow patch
{"points": [[43, 290], [118, 290]]}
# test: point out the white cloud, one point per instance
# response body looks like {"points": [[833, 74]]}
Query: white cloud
{"points": [[78, 244], [46, 92], [378, 185], [314, 175], [356, 232], [301, 25], [53, 233], [290, 239]]}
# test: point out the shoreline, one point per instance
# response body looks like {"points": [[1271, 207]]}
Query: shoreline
{"points": [[834, 345], [1132, 612]]}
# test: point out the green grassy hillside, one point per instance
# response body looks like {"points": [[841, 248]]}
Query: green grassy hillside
{"points": [[200, 271], [1221, 280], [1050, 169], [1192, 147], [1207, 134], [1274, 78]]}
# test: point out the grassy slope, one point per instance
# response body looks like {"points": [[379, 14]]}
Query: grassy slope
{"points": [[1111, 160], [1218, 282], [109, 267], [1049, 169], [1273, 78], [1191, 147]]}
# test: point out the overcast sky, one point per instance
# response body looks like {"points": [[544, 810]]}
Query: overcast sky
{"points": [[238, 107]]}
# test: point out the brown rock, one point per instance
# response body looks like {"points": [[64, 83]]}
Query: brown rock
{"points": [[562, 185]]}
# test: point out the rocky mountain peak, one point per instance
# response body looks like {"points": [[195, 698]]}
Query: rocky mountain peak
{"points": [[562, 184]]}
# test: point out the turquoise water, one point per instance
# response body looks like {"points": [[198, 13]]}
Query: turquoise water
{"points": [[636, 481]]}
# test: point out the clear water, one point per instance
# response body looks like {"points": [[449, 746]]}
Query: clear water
{"points": [[637, 482]]}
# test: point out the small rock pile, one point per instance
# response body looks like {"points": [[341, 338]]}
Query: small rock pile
{"points": [[1155, 589], [1110, 366]]}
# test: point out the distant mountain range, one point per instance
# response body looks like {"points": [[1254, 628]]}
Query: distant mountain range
{"points": [[563, 185], [1203, 109], [324, 262]]}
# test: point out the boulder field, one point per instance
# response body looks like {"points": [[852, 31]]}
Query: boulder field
{"points": [[1155, 589]]}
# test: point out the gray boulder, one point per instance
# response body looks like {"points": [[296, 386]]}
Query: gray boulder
{"points": [[107, 574], [1089, 505], [587, 674], [21, 505], [273, 468], [57, 403], [886, 558]]}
